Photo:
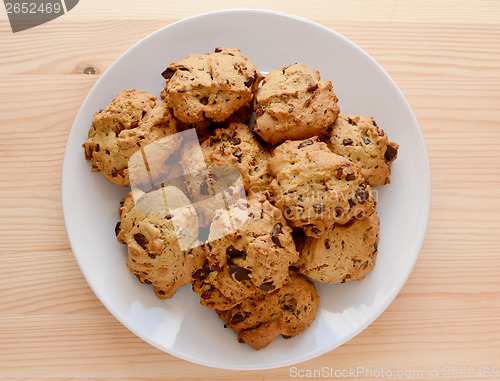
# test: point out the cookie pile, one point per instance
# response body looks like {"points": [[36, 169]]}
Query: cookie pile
{"points": [[306, 172]]}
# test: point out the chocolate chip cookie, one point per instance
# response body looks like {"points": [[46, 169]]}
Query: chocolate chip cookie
{"points": [[155, 237], [253, 257], [342, 253], [361, 140], [133, 120], [238, 147], [262, 318], [210, 86], [294, 103], [315, 188]]}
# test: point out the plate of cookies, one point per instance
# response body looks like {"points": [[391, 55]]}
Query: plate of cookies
{"points": [[242, 195]]}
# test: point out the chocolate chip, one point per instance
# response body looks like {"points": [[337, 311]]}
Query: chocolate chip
{"points": [[329, 129], [141, 240], [237, 318], [347, 142], [290, 191], [204, 188], [207, 294], [352, 122], [307, 103], [97, 148], [161, 292], [238, 154], [249, 82], [300, 197], [218, 50], [290, 110], [338, 211], [350, 177], [351, 203], [277, 230], [366, 140], [361, 195], [204, 101], [168, 73], [375, 245], [183, 68], [318, 208], [197, 274], [305, 143], [232, 252], [241, 341], [327, 243], [268, 286], [215, 267], [390, 153], [348, 276], [288, 211], [315, 230], [235, 141], [311, 87], [152, 256], [147, 281], [339, 173], [168, 217], [117, 228], [134, 124], [240, 273], [286, 337]]}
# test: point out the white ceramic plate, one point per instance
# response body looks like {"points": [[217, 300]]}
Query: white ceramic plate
{"points": [[180, 326]]}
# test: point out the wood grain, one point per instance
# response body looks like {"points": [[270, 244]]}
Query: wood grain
{"points": [[444, 55]]}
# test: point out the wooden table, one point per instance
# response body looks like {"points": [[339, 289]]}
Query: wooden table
{"points": [[444, 55]]}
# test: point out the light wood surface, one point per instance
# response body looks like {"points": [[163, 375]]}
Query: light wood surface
{"points": [[444, 55]]}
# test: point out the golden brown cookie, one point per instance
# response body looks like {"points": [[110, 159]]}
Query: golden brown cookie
{"points": [[293, 103], [154, 236], [342, 253], [133, 120], [361, 140], [261, 319], [315, 188], [237, 146], [210, 86], [252, 258]]}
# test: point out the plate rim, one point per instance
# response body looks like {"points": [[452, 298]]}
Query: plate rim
{"points": [[426, 201]]}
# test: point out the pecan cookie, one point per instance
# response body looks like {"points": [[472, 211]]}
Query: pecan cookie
{"points": [[342, 253], [294, 103], [210, 86], [316, 188], [361, 140], [133, 120], [248, 259], [155, 237], [262, 318]]}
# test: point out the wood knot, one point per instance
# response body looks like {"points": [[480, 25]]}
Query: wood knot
{"points": [[90, 70]]}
